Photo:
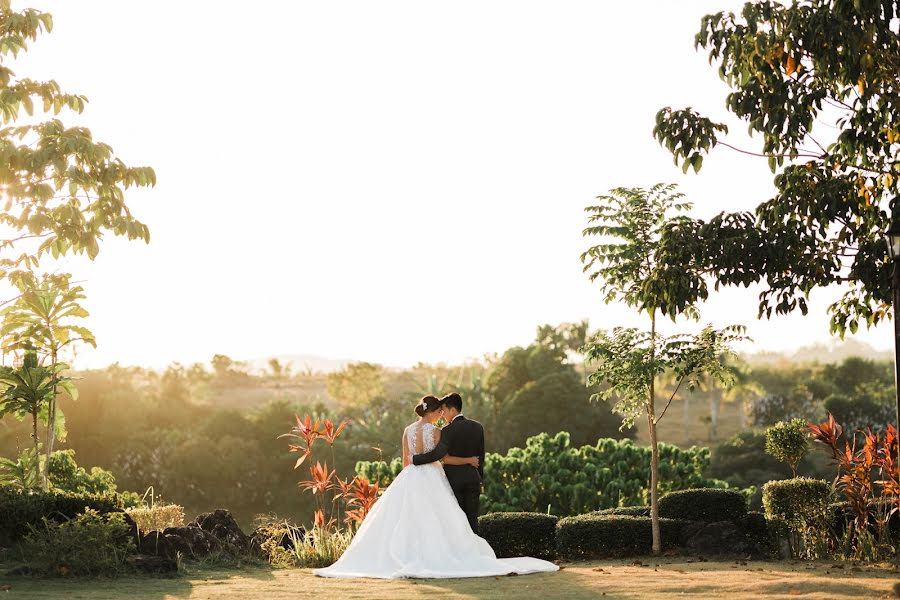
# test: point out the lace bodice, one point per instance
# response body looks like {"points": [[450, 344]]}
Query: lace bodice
{"points": [[420, 437]]}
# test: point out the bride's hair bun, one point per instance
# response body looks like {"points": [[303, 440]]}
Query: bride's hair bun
{"points": [[426, 405]]}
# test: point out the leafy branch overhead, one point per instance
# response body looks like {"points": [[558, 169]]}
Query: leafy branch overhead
{"points": [[635, 262], [61, 189], [628, 360], [817, 82]]}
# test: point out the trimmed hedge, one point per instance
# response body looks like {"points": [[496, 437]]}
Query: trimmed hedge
{"points": [[756, 529], [799, 503], [704, 504], [600, 536], [625, 511], [520, 534], [19, 509]]}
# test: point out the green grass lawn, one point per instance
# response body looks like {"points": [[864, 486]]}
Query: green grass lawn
{"points": [[645, 578]]}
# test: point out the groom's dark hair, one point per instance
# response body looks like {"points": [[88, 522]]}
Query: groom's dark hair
{"points": [[453, 400]]}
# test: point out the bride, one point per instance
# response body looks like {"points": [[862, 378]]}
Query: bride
{"points": [[417, 529]]}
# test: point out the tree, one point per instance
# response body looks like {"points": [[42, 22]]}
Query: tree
{"points": [[29, 391], [278, 370], [41, 317], [570, 337], [790, 66], [62, 190], [358, 384], [788, 442], [637, 267]]}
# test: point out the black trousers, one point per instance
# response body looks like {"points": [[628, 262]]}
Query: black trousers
{"points": [[468, 495]]}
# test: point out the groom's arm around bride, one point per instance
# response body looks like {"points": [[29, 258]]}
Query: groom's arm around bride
{"points": [[463, 438]]}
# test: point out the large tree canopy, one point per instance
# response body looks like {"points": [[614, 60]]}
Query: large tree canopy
{"points": [[826, 65], [60, 190]]}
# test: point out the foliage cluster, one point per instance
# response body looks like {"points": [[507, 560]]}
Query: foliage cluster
{"points": [[91, 543], [788, 441], [20, 510], [550, 475], [868, 476], [707, 504], [157, 517], [802, 505], [593, 536]]}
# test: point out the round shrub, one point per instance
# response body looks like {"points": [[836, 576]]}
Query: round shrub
{"points": [[520, 534], [798, 502], [788, 441], [705, 504], [601, 536]]}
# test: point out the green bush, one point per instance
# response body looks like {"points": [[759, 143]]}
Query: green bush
{"points": [[705, 504], [19, 509], [379, 471], [788, 441], [599, 536], [89, 544], [550, 473], [802, 505], [625, 511], [743, 462], [520, 534]]}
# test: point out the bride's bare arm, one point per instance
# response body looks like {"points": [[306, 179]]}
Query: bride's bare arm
{"points": [[406, 460]]}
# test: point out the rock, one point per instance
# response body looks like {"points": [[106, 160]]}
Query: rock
{"points": [[133, 532], [222, 525], [146, 563], [720, 537], [190, 541]]}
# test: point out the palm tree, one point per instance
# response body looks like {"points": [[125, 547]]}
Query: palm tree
{"points": [[742, 390], [30, 390], [40, 318]]}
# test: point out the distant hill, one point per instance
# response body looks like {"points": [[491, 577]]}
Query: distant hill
{"points": [[832, 352], [299, 363]]}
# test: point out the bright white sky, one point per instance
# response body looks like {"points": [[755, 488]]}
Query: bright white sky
{"points": [[392, 181]]}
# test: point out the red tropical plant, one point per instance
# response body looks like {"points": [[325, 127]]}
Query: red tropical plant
{"points": [[867, 475], [306, 431], [321, 479], [362, 498], [331, 433], [319, 520], [356, 497]]}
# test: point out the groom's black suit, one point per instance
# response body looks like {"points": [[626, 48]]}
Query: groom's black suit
{"points": [[464, 438]]}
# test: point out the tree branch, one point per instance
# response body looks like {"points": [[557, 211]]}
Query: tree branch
{"points": [[672, 397]]}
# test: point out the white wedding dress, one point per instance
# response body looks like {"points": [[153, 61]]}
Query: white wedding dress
{"points": [[417, 529]]}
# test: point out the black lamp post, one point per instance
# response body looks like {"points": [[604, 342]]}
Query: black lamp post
{"points": [[893, 240]]}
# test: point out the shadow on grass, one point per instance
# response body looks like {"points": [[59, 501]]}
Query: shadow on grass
{"points": [[561, 584], [130, 587]]}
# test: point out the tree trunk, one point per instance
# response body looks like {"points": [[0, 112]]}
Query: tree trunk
{"points": [[654, 450], [686, 418], [715, 401], [51, 424], [37, 447], [742, 413]]}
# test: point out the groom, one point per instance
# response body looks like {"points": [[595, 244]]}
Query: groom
{"points": [[464, 438]]}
